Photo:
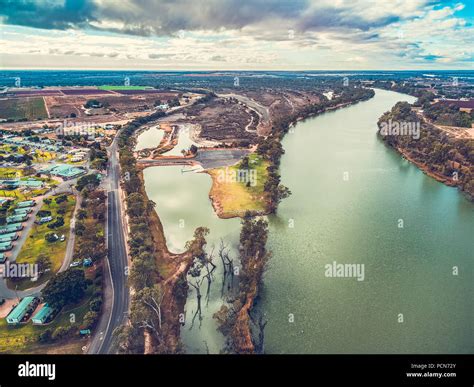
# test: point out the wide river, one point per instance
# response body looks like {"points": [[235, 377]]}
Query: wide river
{"points": [[354, 201]]}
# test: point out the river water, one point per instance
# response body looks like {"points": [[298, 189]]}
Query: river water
{"points": [[150, 138], [351, 195], [184, 143], [182, 202]]}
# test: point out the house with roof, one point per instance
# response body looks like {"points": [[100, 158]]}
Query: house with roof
{"points": [[9, 228], [6, 246], [43, 315], [8, 237], [26, 203], [26, 306], [17, 218], [64, 171]]}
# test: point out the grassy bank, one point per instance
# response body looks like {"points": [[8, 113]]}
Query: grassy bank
{"points": [[232, 197]]}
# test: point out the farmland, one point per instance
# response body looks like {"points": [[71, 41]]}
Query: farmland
{"points": [[112, 87], [23, 109]]}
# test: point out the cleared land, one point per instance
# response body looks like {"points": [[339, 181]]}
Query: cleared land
{"points": [[29, 108], [112, 87], [62, 106], [221, 119]]}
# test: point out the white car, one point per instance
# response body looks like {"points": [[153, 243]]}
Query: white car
{"points": [[63, 238], [75, 264]]}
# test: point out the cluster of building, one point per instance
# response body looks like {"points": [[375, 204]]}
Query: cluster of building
{"points": [[78, 155], [43, 144], [15, 183], [26, 309], [10, 232], [64, 171]]}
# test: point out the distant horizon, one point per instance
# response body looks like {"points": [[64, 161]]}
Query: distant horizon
{"points": [[230, 71]]}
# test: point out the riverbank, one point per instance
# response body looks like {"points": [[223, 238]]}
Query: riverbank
{"points": [[157, 276], [240, 189], [233, 193], [426, 169], [446, 159], [408, 267], [244, 332]]}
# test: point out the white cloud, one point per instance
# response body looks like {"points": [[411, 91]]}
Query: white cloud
{"points": [[366, 34]]}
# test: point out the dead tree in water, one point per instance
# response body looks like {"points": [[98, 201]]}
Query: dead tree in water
{"points": [[260, 334], [207, 261], [227, 264], [197, 286]]}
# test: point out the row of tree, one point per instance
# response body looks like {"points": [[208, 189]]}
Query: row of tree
{"points": [[239, 322], [448, 156], [145, 310]]}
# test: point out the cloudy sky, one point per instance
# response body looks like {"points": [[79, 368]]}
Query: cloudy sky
{"points": [[237, 34]]}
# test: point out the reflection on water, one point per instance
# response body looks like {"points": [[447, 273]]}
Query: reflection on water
{"points": [[183, 204], [408, 270], [150, 138], [184, 143]]}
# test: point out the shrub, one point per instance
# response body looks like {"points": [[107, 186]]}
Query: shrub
{"points": [[95, 305], [90, 319], [45, 336], [60, 332]]}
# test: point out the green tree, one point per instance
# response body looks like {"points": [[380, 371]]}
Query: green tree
{"points": [[65, 288]]}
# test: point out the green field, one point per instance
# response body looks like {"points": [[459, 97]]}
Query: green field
{"points": [[112, 87], [236, 197], [28, 108]]}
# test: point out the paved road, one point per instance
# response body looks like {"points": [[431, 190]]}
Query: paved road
{"points": [[261, 110], [72, 236], [116, 315], [207, 158]]}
